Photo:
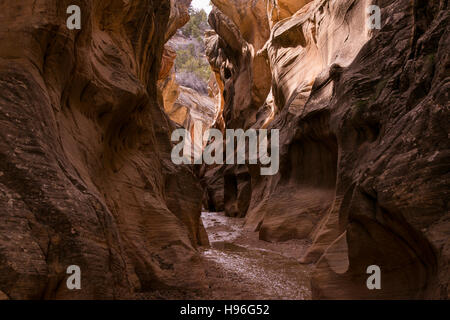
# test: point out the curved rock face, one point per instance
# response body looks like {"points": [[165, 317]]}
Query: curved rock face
{"points": [[85, 171], [388, 108], [86, 116], [187, 107], [244, 76], [305, 52], [278, 10], [179, 16], [363, 140]]}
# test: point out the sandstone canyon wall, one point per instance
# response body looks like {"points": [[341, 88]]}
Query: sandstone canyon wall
{"points": [[85, 171], [363, 119]]}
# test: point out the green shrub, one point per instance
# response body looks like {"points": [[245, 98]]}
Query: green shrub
{"points": [[191, 59], [189, 62], [197, 25]]}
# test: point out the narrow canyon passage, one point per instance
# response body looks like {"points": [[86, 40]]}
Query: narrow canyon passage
{"points": [[240, 266], [298, 68], [349, 97]]}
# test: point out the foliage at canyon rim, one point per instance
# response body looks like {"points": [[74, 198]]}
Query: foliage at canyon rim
{"points": [[191, 58]]}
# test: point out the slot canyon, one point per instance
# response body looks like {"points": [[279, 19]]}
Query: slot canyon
{"points": [[87, 178]]}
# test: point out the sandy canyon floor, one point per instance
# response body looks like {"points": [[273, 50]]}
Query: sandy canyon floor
{"points": [[239, 266]]}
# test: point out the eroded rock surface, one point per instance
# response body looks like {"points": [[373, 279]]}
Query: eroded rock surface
{"points": [[85, 171], [363, 120]]}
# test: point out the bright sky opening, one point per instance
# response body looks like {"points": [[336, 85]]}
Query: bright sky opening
{"points": [[202, 4]]}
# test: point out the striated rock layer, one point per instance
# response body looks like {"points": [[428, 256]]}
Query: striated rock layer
{"points": [[85, 171], [363, 119]]}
